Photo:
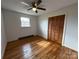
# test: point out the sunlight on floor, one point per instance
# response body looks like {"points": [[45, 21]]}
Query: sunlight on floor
{"points": [[27, 51], [43, 44]]}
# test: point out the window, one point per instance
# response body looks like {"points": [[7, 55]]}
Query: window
{"points": [[25, 22]]}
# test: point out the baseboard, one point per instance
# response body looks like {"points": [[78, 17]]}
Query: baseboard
{"points": [[25, 37], [21, 38], [71, 49], [4, 51]]}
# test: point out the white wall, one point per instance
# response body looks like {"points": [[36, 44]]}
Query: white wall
{"points": [[13, 25], [70, 38], [3, 36]]}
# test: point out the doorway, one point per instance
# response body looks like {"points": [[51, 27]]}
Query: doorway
{"points": [[55, 28]]}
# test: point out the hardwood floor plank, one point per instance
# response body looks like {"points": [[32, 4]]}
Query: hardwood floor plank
{"points": [[37, 48]]}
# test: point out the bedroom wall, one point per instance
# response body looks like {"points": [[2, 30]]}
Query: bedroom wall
{"points": [[13, 25], [3, 36], [70, 38]]}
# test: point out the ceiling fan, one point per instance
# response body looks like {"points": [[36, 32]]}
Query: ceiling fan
{"points": [[34, 5]]}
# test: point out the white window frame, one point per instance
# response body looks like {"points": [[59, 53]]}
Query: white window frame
{"points": [[27, 22]]}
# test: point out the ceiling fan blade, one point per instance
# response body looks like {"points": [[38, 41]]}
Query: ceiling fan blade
{"points": [[25, 3], [33, 4], [29, 9], [38, 2], [41, 8]]}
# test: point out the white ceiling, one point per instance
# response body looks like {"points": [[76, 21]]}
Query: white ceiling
{"points": [[50, 5]]}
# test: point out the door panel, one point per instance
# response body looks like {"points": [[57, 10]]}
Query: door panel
{"points": [[55, 28]]}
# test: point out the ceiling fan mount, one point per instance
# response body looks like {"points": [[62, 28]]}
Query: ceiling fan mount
{"points": [[35, 5]]}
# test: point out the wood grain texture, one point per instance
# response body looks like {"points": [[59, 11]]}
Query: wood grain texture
{"points": [[55, 28], [37, 48]]}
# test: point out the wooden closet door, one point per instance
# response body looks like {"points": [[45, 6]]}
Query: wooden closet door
{"points": [[55, 28]]}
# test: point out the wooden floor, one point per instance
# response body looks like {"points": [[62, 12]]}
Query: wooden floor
{"points": [[37, 48]]}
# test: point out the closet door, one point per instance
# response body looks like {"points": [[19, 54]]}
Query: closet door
{"points": [[55, 28]]}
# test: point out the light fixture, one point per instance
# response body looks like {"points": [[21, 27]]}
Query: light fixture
{"points": [[34, 9]]}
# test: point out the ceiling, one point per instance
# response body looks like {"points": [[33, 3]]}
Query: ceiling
{"points": [[50, 5]]}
